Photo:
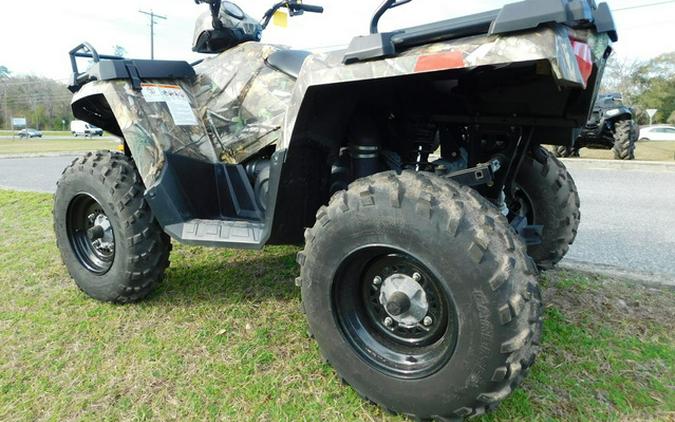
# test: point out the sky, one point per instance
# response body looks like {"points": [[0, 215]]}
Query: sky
{"points": [[35, 36]]}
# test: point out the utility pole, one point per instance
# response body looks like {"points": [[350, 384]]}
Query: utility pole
{"points": [[153, 16]]}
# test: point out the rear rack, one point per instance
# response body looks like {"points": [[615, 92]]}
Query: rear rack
{"points": [[107, 67], [514, 17]]}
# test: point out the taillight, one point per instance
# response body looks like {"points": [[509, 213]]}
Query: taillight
{"points": [[584, 59], [440, 61]]}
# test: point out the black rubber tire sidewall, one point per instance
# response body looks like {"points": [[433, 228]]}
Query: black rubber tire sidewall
{"points": [[625, 136], [141, 247], [104, 287], [553, 195], [476, 355]]}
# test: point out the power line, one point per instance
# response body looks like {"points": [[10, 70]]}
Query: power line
{"points": [[152, 30], [643, 5]]}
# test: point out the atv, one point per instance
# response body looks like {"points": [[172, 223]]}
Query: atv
{"points": [[409, 165], [611, 126]]}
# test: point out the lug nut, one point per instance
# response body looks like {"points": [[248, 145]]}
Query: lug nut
{"points": [[388, 321], [427, 321], [377, 280], [417, 276]]}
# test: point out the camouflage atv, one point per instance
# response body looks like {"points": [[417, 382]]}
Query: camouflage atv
{"points": [[409, 165], [611, 126]]}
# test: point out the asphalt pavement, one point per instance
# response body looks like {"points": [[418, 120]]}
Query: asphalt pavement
{"points": [[627, 214], [33, 174], [627, 220]]}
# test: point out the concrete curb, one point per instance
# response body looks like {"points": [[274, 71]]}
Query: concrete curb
{"points": [[586, 163], [643, 278], [42, 155]]}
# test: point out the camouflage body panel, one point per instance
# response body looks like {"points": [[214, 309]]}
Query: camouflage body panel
{"points": [[238, 100], [242, 105], [550, 44], [242, 101], [149, 128]]}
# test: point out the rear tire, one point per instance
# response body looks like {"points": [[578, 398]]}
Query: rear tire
{"points": [[102, 193], [551, 195], [566, 152], [468, 260], [624, 140]]}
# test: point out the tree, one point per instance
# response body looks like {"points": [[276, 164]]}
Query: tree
{"points": [[618, 77], [644, 84], [671, 119], [656, 80], [4, 72], [44, 102]]}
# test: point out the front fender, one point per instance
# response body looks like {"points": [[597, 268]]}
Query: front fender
{"points": [[619, 113], [148, 128]]}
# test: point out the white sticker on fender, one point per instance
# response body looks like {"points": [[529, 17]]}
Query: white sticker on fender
{"points": [[175, 98]]}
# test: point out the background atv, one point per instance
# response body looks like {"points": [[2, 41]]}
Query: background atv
{"points": [[418, 275], [611, 126]]}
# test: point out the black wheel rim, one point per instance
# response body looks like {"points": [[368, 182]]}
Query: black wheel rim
{"points": [[90, 234], [405, 349]]}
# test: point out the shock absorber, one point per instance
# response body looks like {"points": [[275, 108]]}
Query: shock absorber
{"points": [[364, 147], [425, 138]]}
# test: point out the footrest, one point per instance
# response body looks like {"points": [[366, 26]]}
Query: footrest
{"points": [[218, 233]]}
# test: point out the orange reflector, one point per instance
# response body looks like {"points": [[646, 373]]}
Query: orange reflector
{"points": [[442, 61]]}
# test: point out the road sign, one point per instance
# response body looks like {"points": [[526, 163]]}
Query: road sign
{"points": [[18, 122], [651, 112]]}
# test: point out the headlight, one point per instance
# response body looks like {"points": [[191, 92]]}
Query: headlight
{"points": [[612, 113]]}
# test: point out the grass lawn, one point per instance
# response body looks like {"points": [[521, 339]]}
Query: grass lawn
{"points": [[647, 151], [33, 146], [224, 338]]}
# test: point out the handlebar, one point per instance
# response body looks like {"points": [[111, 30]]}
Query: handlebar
{"points": [[293, 6], [310, 8]]}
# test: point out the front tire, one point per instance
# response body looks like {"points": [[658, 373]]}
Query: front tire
{"points": [[549, 197], [624, 140], [435, 240], [109, 241], [566, 152]]}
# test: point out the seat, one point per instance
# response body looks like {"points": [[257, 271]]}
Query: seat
{"points": [[288, 61]]}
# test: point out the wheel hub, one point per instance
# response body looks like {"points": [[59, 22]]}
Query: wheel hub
{"points": [[101, 234], [91, 234], [394, 310], [404, 300]]}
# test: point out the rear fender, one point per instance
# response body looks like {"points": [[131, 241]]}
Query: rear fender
{"points": [[549, 44]]}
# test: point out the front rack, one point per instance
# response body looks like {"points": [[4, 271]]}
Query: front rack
{"points": [[87, 51], [106, 68]]}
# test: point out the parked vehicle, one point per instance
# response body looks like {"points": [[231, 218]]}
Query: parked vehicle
{"points": [[80, 128], [418, 275], [611, 126], [29, 133], [657, 133]]}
